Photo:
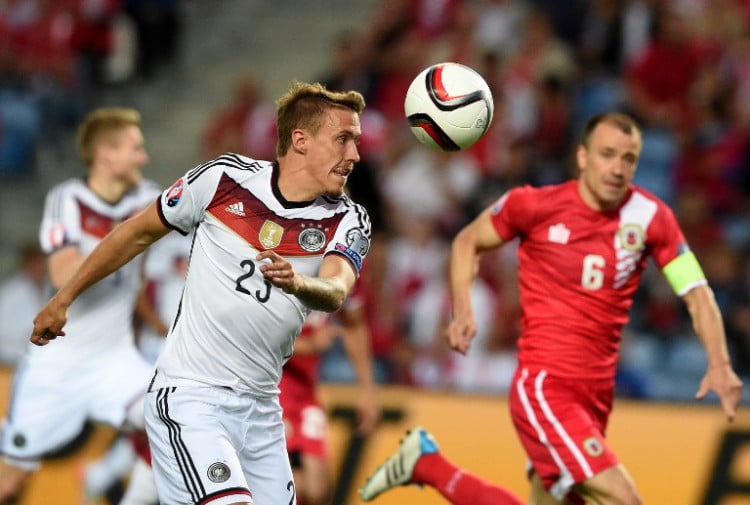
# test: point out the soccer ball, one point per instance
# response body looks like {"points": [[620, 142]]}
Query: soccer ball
{"points": [[449, 106]]}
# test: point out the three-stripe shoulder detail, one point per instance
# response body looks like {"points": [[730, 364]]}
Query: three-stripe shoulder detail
{"points": [[362, 216], [230, 160]]}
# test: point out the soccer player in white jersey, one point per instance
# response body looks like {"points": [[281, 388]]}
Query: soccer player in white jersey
{"points": [[97, 373], [583, 247], [272, 241]]}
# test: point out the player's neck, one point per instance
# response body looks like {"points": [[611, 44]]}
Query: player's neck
{"points": [[108, 189], [292, 182]]}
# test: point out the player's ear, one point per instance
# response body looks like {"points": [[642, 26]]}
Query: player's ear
{"points": [[299, 140], [581, 154]]}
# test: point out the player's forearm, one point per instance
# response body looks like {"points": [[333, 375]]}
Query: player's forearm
{"points": [[463, 265], [116, 249], [319, 293], [357, 346], [708, 324]]}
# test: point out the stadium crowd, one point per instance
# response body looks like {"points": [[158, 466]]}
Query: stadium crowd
{"points": [[681, 67]]}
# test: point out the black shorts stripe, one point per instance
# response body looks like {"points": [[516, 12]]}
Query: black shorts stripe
{"points": [[190, 475], [225, 492]]}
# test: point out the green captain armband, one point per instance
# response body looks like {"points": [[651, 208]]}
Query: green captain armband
{"points": [[684, 273]]}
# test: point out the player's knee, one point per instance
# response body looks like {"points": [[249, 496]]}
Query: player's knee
{"points": [[11, 484], [318, 493]]}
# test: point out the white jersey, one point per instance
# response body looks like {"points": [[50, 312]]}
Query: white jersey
{"points": [[234, 328], [101, 317]]}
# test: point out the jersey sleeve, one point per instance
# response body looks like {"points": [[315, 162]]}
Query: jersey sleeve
{"points": [[61, 223], [352, 237], [672, 253], [512, 213], [184, 203]]}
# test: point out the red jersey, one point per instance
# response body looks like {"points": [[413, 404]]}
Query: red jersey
{"points": [[300, 374], [579, 270]]}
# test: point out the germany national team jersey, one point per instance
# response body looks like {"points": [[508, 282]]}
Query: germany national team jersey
{"points": [[579, 269], [233, 327], [101, 318]]}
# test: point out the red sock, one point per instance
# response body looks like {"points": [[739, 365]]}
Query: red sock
{"points": [[458, 486]]}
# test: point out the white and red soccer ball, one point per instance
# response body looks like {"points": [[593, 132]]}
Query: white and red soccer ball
{"points": [[449, 106]]}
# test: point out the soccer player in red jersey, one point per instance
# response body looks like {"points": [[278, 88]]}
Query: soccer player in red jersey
{"points": [[304, 417], [583, 247]]}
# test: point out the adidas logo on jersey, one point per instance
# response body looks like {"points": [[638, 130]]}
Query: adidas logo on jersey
{"points": [[237, 209]]}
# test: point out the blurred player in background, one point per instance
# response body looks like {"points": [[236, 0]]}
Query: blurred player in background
{"points": [[97, 373], [164, 274], [304, 417], [273, 241], [583, 247], [21, 296]]}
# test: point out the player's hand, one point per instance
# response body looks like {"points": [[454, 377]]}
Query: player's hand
{"points": [[722, 380], [49, 322], [278, 271], [461, 331]]}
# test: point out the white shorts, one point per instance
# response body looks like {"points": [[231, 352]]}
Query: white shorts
{"points": [[212, 445], [50, 404]]}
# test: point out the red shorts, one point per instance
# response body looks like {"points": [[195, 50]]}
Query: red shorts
{"points": [[306, 429], [561, 424]]}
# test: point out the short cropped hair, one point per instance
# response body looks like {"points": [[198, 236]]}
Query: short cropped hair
{"points": [[100, 126], [304, 105], [625, 123]]}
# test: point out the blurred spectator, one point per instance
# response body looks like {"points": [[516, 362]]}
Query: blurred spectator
{"points": [[399, 60], [245, 125], [363, 183], [698, 223], [659, 77], [738, 316], [158, 25], [551, 136], [446, 182], [498, 25], [92, 41], [351, 64], [600, 45], [414, 256], [488, 366], [21, 297], [566, 18]]}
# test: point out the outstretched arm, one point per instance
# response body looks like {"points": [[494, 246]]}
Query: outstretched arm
{"points": [[475, 238], [121, 245], [357, 343], [707, 323]]}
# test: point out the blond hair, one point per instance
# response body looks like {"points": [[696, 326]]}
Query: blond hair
{"points": [[304, 106], [101, 126]]}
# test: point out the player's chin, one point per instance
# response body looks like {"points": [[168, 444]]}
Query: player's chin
{"points": [[335, 190]]}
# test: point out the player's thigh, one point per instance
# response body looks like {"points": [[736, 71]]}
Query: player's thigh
{"points": [[538, 495], [120, 388], [194, 453], [561, 428], [47, 409], [613, 486], [264, 456]]}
